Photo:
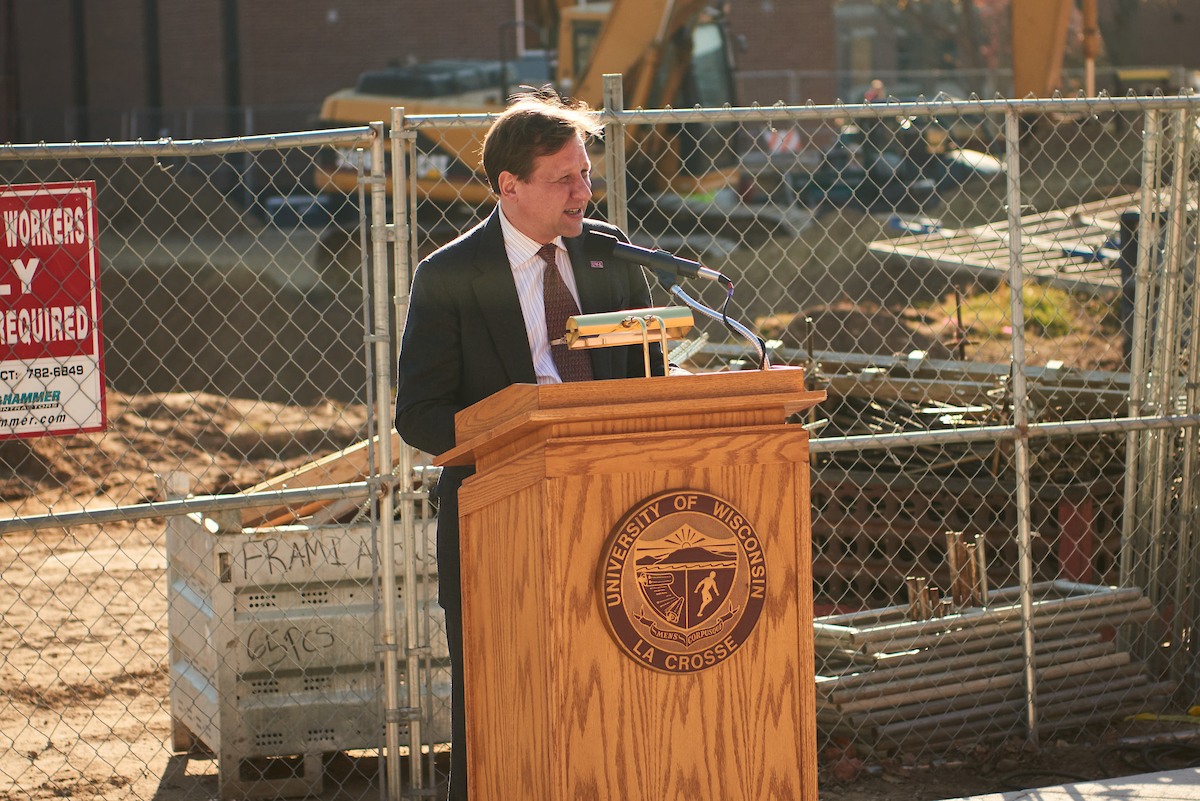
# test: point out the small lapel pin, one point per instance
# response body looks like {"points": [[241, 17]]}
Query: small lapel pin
{"points": [[597, 265]]}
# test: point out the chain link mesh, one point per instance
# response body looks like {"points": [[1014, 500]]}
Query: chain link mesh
{"points": [[983, 564], [1001, 483], [222, 649]]}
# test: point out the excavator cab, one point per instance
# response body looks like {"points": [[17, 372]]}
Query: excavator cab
{"points": [[691, 65]]}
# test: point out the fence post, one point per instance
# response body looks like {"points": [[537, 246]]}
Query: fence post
{"points": [[1132, 530], [1184, 606], [1180, 226], [614, 152], [1020, 414], [1164, 361], [380, 338], [404, 459]]}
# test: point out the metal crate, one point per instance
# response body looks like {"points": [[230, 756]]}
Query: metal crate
{"points": [[273, 634]]}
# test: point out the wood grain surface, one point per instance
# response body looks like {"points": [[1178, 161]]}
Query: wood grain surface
{"points": [[519, 399], [557, 709], [345, 466], [518, 416]]}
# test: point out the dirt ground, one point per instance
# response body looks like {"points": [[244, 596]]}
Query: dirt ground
{"points": [[85, 714], [83, 637], [83, 613]]}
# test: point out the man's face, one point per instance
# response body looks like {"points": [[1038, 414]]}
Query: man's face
{"points": [[551, 203]]}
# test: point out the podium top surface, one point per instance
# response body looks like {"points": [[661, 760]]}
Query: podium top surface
{"points": [[520, 409]]}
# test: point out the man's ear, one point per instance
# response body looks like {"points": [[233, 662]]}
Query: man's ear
{"points": [[508, 182]]}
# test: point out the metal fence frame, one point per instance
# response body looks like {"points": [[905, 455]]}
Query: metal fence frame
{"points": [[1137, 424], [380, 485], [985, 81], [1155, 408]]}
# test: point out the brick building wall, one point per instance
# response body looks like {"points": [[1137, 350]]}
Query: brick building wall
{"points": [[192, 61], [786, 35], [1153, 33], [46, 83], [292, 53], [298, 51], [1168, 32], [116, 58], [295, 52]]}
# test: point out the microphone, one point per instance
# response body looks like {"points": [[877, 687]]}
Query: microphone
{"points": [[607, 245]]}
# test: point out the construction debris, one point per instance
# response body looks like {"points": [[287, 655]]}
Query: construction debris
{"points": [[347, 465], [1074, 248], [897, 684]]}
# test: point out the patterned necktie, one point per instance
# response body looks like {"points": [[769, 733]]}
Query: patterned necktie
{"points": [[573, 365]]}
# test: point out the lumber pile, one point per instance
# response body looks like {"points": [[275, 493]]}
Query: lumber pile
{"points": [[892, 683], [347, 465]]}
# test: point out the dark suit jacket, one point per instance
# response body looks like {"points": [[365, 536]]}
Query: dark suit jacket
{"points": [[465, 340]]}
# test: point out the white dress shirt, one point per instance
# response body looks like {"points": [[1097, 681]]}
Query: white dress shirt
{"points": [[529, 273]]}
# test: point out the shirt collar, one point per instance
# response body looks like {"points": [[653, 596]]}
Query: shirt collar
{"points": [[520, 248]]}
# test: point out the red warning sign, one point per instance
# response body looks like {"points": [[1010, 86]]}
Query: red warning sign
{"points": [[51, 360]]}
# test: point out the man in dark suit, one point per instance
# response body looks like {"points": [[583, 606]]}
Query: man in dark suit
{"points": [[486, 310]]}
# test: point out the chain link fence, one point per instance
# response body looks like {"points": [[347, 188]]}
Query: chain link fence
{"points": [[151, 123], [998, 548], [158, 600], [796, 87], [997, 297]]}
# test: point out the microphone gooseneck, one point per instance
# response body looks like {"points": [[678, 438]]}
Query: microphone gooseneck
{"points": [[607, 245], [666, 266]]}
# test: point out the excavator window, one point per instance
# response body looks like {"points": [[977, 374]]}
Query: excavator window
{"points": [[710, 70], [584, 34]]}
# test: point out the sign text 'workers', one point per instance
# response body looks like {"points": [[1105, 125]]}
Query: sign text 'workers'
{"points": [[51, 360]]}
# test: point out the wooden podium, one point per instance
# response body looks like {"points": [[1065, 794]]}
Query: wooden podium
{"points": [[558, 707]]}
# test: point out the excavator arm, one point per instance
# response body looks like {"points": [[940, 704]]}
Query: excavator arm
{"points": [[1039, 31], [650, 42], [633, 42]]}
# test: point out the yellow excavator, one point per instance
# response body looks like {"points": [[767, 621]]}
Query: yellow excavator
{"points": [[1039, 35], [670, 53]]}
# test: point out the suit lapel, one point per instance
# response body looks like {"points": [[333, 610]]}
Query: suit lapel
{"points": [[597, 293], [594, 283], [496, 293]]}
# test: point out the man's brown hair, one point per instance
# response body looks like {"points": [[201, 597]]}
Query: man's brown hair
{"points": [[537, 123]]}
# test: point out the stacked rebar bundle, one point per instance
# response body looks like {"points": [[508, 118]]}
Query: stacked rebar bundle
{"points": [[941, 395], [967, 563], [893, 683]]}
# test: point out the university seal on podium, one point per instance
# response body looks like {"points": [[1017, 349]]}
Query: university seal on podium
{"points": [[682, 581]]}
